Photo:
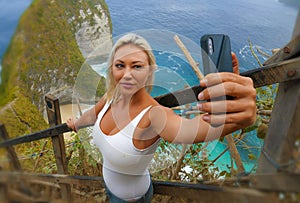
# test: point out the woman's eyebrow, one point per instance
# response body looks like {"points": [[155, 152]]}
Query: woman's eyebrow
{"points": [[119, 60], [134, 62]]}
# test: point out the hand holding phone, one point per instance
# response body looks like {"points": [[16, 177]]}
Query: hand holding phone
{"points": [[216, 57]]}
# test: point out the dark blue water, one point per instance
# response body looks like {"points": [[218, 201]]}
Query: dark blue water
{"points": [[268, 23], [11, 11]]}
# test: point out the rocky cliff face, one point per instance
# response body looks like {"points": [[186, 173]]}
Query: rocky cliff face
{"points": [[92, 34], [50, 46]]}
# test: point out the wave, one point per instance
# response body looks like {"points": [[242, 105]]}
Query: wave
{"points": [[247, 58], [100, 68]]}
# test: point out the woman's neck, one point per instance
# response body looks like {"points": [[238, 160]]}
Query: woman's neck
{"points": [[135, 99]]}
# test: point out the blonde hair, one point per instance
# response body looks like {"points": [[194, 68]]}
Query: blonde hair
{"points": [[112, 93]]}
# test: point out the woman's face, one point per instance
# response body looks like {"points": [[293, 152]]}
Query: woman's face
{"points": [[130, 68]]}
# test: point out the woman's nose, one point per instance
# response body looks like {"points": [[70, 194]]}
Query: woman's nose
{"points": [[127, 72]]}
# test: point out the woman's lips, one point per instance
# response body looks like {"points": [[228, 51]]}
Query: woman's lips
{"points": [[126, 85]]}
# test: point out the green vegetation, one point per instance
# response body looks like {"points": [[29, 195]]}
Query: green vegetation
{"points": [[43, 56]]}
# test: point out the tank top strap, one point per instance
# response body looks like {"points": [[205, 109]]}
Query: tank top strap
{"points": [[103, 111], [138, 118]]}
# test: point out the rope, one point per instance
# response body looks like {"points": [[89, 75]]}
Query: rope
{"points": [[275, 164]]}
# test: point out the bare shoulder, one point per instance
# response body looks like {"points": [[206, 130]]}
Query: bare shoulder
{"points": [[158, 109], [99, 105], [160, 114]]}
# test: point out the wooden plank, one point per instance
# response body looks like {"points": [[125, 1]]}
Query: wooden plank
{"points": [[197, 192], [275, 73], [279, 182], [17, 196], [180, 97], [93, 181], [290, 50], [4, 196], [11, 153], [279, 145], [54, 117], [50, 132], [212, 194], [283, 130], [270, 74]]}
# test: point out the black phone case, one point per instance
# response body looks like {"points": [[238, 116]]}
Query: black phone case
{"points": [[220, 59]]}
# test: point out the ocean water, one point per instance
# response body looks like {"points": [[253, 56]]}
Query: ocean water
{"points": [[267, 23], [11, 10]]}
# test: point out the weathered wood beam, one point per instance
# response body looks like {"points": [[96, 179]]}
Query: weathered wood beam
{"points": [[11, 153], [275, 73], [212, 194], [54, 117], [279, 145], [279, 182], [58, 143], [197, 192], [93, 181], [290, 50], [266, 75], [50, 132]]}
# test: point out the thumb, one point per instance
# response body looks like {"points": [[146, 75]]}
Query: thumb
{"points": [[235, 63]]}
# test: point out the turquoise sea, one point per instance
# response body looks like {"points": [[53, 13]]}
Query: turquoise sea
{"points": [[267, 23]]}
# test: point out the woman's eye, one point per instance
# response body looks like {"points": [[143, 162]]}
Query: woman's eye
{"points": [[119, 65], [138, 67]]}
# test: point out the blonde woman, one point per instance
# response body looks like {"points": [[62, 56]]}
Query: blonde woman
{"points": [[128, 122]]}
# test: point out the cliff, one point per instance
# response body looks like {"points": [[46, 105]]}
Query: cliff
{"points": [[52, 42]]}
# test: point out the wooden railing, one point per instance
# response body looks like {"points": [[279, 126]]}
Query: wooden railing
{"points": [[276, 169]]}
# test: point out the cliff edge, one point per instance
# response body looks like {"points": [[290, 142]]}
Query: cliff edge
{"points": [[53, 40]]}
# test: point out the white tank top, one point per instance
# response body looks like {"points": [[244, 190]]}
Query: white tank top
{"points": [[125, 168]]}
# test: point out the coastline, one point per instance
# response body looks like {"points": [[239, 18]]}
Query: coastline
{"points": [[70, 110]]}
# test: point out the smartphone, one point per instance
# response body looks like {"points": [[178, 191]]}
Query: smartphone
{"points": [[216, 56], [216, 53]]}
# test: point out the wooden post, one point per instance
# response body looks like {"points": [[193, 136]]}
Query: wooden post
{"points": [[277, 153], [283, 130], [12, 156], [14, 164], [54, 118]]}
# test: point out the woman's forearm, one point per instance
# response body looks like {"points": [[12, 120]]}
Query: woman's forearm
{"points": [[88, 118]]}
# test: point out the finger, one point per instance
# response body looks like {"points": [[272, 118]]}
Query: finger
{"points": [[227, 89], [223, 106], [231, 118], [235, 63], [217, 78]]}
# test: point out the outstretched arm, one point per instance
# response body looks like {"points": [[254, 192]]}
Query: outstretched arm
{"points": [[227, 115]]}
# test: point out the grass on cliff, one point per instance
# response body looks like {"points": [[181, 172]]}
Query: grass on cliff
{"points": [[43, 50]]}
